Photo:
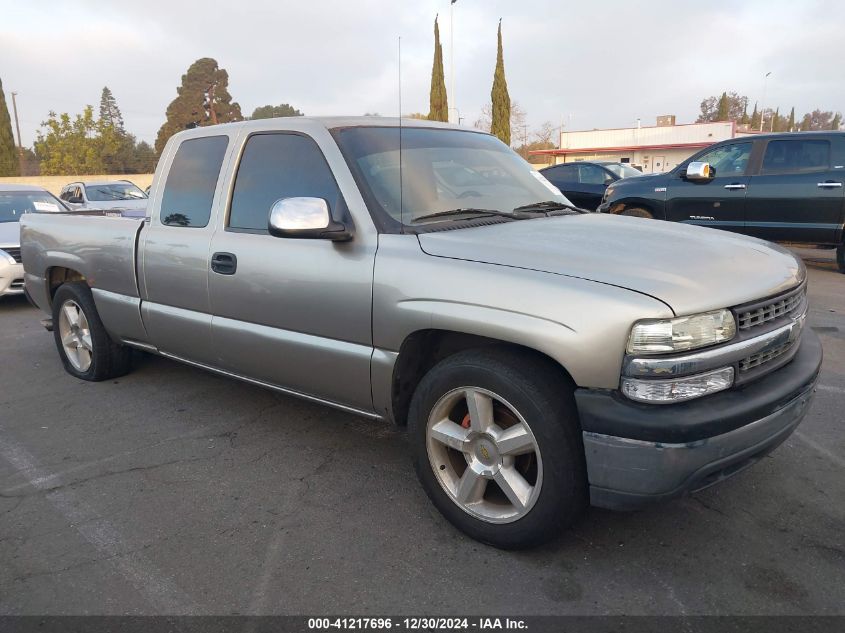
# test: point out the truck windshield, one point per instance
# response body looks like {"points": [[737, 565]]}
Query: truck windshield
{"points": [[442, 170], [114, 191], [13, 204]]}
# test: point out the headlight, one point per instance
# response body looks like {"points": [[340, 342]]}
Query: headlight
{"points": [[681, 334], [678, 389]]}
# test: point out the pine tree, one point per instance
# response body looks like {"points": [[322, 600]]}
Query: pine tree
{"points": [[723, 111], [204, 81], [109, 112], [756, 118], [744, 120], [438, 101], [501, 122], [9, 165], [775, 126], [791, 123]]}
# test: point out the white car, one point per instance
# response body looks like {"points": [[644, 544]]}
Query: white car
{"points": [[104, 195], [15, 201]]}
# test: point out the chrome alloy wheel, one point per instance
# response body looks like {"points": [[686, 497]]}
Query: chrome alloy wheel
{"points": [[75, 335], [484, 455]]}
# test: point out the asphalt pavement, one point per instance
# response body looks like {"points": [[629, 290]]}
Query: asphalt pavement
{"points": [[172, 490]]}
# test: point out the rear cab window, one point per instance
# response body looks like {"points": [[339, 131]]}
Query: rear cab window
{"points": [[191, 182]]}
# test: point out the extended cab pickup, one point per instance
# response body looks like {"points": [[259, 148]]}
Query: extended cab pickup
{"points": [[779, 187], [541, 358]]}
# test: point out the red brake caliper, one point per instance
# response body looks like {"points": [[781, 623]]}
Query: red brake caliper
{"points": [[465, 422]]}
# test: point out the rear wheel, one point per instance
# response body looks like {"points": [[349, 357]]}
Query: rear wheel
{"points": [[637, 212], [86, 349], [497, 447], [840, 257]]}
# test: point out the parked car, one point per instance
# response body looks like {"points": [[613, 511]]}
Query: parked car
{"points": [[104, 194], [15, 201], [538, 359], [585, 182], [779, 187]]}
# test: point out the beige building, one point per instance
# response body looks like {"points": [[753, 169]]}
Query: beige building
{"points": [[652, 149]]}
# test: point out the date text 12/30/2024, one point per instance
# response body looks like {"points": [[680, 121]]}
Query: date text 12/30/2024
{"points": [[417, 623]]}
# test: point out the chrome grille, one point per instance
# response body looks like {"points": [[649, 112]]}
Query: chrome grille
{"points": [[777, 307], [755, 360]]}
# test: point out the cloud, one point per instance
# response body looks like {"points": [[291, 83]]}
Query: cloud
{"points": [[592, 64]]}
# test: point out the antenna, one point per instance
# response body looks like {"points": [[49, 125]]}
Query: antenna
{"points": [[401, 188]]}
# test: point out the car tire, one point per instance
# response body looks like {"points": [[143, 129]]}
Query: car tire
{"points": [[637, 212], [86, 349], [840, 257], [526, 472]]}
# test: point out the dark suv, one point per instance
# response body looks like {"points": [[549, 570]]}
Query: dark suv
{"points": [[779, 187]]}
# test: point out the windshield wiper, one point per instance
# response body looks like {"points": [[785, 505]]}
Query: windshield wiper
{"points": [[114, 195], [548, 207], [468, 211]]}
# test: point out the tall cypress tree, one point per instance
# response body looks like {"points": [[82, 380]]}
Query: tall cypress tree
{"points": [[501, 122], [791, 123], [776, 126], [755, 118], [9, 165], [438, 109], [724, 110], [188, 108], [837, 122]]}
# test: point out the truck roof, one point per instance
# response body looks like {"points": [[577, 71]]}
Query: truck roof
{"points": [[305, 124]]}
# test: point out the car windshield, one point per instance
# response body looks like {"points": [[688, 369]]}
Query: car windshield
{"points": [[13, 204], [621, 170], [114, 191], [442, 170]]}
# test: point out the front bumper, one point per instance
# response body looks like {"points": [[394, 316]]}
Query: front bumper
{"points": [[604, 207], [11, 277], [639, 453]]}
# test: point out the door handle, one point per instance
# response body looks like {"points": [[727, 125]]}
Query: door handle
{"points": [[830, 184], [224, 263], [735, 185]]}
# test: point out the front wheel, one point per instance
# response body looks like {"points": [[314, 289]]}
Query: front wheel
{"points": [[86, 349], [840, 257], [497, 447], [636, 212]]}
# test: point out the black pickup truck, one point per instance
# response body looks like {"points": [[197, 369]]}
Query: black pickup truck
{"points": [[779, 187]]}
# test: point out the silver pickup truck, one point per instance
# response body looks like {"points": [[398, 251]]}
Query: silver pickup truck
{"points": [[541, 358]]}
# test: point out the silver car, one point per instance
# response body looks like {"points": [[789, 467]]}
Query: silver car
{"points": [[104, 195], [15, 201]]}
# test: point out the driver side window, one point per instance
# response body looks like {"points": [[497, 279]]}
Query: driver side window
{"points": [[728, 160]]}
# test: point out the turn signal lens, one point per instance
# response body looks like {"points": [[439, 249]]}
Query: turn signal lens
{"points": [[678, 389]]}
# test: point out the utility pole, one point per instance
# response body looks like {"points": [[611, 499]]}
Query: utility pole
{"points": [[763, 102], [18, 128]]}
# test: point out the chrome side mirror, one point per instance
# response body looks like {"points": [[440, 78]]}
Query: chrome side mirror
{"points": [[700, 172], [305, 218]]}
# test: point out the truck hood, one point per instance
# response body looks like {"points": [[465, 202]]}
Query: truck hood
{"points": [[690, 268], [10, 234]]}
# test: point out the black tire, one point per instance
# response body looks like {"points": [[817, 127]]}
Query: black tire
{"points": [[637, 212], [537, 389], [108, 359], [840, 257]]}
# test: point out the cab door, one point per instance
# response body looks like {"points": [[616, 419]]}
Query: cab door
{"points": [[798, 194], [718, 202], [173, 260], [293, 313]]}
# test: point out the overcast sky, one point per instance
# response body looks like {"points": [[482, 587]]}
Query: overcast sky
{"points": [[585, 64]]}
